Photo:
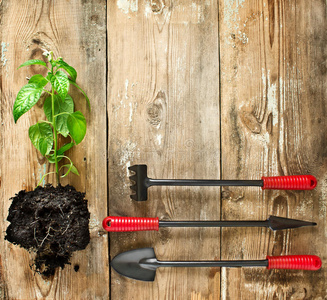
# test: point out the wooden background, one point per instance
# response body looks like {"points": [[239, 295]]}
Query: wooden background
{"points": [[229, 89]]}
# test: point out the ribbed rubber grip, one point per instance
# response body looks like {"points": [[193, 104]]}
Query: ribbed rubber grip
{"points": [[295, 182], [115, 224], [299, 262]]}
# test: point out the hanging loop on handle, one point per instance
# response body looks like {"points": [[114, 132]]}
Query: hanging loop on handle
{"points": [[295, 182], [298, 262]]}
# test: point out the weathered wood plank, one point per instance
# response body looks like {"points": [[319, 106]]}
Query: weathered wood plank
{"points": [[273, 91], [75, 30], [164, 111]]}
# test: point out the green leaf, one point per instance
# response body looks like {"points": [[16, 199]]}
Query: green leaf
{"points": [[69, 69], [60, 152], [33, 62], [65, 148], [60, 106], [47, 107], [74, 170], [71, 168], [39, 80], [44, 146], [77, 126], [41, 136], [87, 99], [26, 98], [60, 83]]}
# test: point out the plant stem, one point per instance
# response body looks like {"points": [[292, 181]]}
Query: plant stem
{"points": [[44, 177], [62, 113], [55, 137]]}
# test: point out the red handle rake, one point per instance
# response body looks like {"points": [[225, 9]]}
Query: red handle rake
{"points": [[142, 182]]}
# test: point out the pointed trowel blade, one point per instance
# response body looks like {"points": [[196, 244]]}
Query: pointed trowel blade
{"points": [[130, 264], [278, 223]]}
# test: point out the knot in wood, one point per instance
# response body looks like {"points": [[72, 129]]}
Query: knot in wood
{"points": [[251, 122], [157, 6], [154, 114], [156, 108]]}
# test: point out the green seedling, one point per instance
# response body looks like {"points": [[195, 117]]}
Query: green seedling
{"points": [[58, 107]]}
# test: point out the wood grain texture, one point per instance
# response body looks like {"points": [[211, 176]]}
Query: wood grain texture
{"points": [[229, 89], [164, 112], [273, 91], [75, 30]]}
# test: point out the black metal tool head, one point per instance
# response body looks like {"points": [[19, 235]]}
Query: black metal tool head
{"points": [[133, 264], [278, 223], [140, 179]]}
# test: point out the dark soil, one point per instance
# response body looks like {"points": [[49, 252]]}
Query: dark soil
{"points": [[53, 222]]}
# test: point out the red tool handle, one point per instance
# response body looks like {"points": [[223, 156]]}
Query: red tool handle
{"points": [[115, 224], [295, 182], [298, 262]]}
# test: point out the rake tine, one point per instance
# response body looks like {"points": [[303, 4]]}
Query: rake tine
{"points": [[140, 182], [133, 187], [133, 178], [133, 168]]}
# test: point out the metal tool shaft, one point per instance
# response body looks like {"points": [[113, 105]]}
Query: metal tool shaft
{"points": [[154, 263], [214, 223], [114, 223], [202, 182]]}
